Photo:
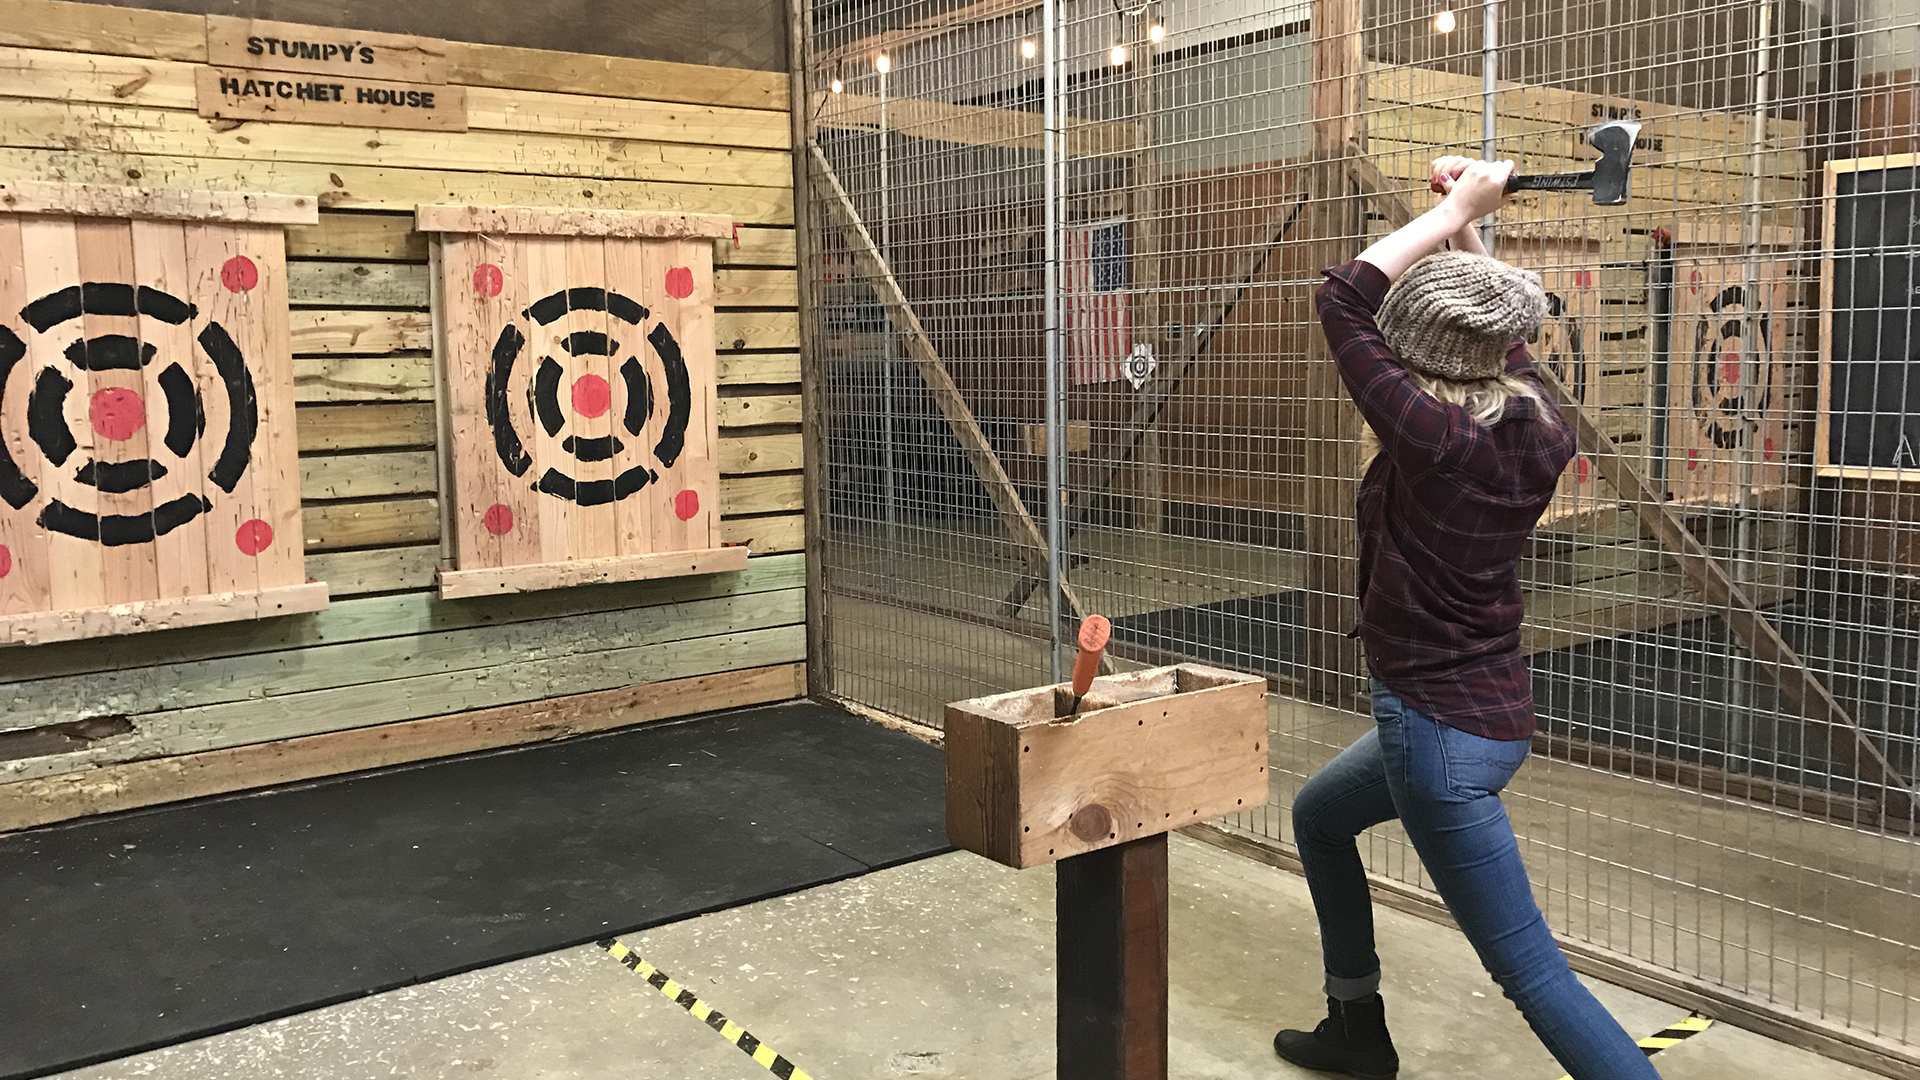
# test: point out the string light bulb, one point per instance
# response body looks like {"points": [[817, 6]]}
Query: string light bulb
{"points": [[883, 63], [1156, 33], [838, 86], [1028, 50], [1119, 56], [1443, 22]]}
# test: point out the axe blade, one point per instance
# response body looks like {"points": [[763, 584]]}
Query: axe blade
{"points": [[1610, 175], [1615, 140]]}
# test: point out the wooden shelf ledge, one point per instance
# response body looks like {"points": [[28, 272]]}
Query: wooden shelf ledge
{"points": [[499, 580], [152, 204], [146, 615], [564, 221]]}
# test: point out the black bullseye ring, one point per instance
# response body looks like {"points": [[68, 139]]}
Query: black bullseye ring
{"points": [[543, 397], [47, 423]]}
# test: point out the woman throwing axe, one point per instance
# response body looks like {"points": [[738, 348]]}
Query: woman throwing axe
{"points": [[1462, 454]]}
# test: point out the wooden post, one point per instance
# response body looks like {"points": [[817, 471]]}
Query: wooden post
{"points": [[813, 404], [1111, 938], [1332, 425], [1093, 784]]}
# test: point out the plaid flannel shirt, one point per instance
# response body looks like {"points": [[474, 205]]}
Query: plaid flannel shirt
{"points": [[1443, 516]]}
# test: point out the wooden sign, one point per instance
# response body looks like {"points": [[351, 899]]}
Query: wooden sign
{"points": [[580, 395], [322, 50], [148, 472], [237, 94]]}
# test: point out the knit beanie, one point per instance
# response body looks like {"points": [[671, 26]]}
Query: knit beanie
{"points": [[1455, 315]]}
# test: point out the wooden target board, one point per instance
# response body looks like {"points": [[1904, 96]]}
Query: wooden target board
{"points": [[581, 411], [1728, 383], [148, 459]]}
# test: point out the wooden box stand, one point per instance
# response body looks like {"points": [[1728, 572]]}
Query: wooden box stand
{"points": [[1097, 791]]}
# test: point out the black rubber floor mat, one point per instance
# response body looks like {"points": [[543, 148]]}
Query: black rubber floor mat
{"points": [[142, 929], [1261, 634]]}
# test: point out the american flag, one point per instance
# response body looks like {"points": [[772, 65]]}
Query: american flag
{"points": [[1099, 330]]}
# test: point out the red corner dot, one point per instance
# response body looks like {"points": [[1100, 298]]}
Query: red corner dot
{"points": [[488, 280], [686, 504], [1583, 469], [592, 396], [498, 519], [1693, 460], [239, 274], [117, 412], [1767, 452], [680, 283], [6, 561], [254, 537]]}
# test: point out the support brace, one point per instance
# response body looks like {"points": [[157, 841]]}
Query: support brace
{"points": [[1149, 409], [946, 395]]}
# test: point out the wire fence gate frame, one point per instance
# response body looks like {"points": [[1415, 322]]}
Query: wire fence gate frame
{"points": [[1060, 258]]}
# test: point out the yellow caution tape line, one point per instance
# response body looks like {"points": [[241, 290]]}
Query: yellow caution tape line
{"points": [[1686, 1029], [760, 1052]]}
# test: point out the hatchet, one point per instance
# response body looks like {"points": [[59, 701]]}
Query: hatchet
{"points": [[1094, 633], [1608, 178]]}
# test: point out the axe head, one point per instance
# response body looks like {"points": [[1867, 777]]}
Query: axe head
{"points": [[1614, 139]]}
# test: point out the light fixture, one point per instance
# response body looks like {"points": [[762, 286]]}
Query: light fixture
{"points": [[1119, 56], [1156, 33], [1028, 50], [838, 86], [883, 63], [1443, 22]]}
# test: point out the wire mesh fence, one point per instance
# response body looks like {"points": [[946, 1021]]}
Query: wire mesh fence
{"points": [[1063, 258]]}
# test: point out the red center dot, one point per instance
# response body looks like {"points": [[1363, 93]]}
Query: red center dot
{"points": [[686, 504], [6, 561], [680, 283], [488, 280], [253, 537], [592, 396], [498, 519], [117, 413], [239, 274]]}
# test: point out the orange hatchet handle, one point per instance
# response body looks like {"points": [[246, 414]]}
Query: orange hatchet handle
{"points": [[1094, 633]]}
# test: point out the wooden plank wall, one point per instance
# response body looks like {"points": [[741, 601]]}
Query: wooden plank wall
{"points": [[391, 672]]}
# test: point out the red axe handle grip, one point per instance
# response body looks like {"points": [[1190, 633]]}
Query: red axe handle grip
{"points": [[1094, 633]]}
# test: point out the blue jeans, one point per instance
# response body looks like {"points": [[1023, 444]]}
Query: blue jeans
{"points": [[1444, 786]]}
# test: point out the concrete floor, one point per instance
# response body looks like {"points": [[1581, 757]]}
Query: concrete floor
{"points": [[938, 969], [1799, 911]]}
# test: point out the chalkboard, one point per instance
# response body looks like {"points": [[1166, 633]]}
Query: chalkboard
{"points": [[1870, 392]]}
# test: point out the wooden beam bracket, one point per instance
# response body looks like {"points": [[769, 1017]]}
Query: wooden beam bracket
{"points": [[535, 577]]}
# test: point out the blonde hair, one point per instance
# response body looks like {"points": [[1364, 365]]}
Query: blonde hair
{"points": [[1485, 400]]}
